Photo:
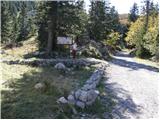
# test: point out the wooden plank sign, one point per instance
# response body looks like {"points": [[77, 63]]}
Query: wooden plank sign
{"points": [[64, 40]]}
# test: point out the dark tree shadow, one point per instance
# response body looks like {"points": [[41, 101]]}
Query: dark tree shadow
{"points": [[123, 102], [131, 65]]}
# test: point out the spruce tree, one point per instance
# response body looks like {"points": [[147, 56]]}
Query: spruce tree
{"points": [[133, 13], [6, 23]]}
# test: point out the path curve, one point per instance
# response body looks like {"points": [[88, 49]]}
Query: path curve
{"points": [[134, 87]]}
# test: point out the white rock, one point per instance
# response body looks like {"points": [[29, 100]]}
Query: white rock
{"points": [[80, 104], [2, 52], [39, 86], [77, 94], [96, 82], [86, 87], [62, 100], [36, 53], [71, 99], [92, 95], [60, 66], [83, 96], [93, 85], [87, 68], [89, 81], [96, 91]]}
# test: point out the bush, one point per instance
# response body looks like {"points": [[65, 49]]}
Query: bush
{"points": [[112, 39]]}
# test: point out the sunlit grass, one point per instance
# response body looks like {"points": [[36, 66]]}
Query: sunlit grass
{"points": [[146, 62]]}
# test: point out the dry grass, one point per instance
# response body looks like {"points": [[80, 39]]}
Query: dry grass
{"points": [[29, 46], [146, 62]]}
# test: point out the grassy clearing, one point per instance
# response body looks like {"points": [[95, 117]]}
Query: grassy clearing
{"points": [[29, 46], [19, 98]]}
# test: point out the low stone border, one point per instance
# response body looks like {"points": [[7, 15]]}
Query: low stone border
{"points": [[84, 96], [45, 62], [87, 94]]}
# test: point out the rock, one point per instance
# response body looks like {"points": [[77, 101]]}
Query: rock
{"points": [[89, 96], [92, 95], [77, 94], [62, 100], [40, 86], [96, 91], [2, 52], [93, 85], [72, 93], [86, 87], [96, 82], [71, 99], [89, 81], [87, 68], [89, 86], [80, 104], [72, 73], [83, 96], [60, 66], [90, 102], [69, 69], [36, 53]]}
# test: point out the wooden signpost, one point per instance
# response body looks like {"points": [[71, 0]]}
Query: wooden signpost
{"points": [[65, 42]]}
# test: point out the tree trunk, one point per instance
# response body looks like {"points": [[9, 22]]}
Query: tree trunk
{"points": [[147, 14], [50, 37], [52, 27]]}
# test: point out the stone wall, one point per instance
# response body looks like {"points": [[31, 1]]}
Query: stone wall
{"points": [[47, 62], [84, 96], [87, 94]]}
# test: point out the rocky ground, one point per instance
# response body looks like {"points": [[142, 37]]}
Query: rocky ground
{"points": [[133, 87]]}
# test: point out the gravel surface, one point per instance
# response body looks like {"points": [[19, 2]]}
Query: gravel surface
{"points": [[134, 88]]}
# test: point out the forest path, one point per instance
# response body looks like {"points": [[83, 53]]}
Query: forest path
{"points": [[133, 86]]}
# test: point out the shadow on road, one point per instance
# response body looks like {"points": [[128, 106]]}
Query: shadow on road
{"points": [[131, 65], [125, 107]]}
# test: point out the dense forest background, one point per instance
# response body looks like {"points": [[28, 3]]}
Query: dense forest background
{"points": [[139, 30]]}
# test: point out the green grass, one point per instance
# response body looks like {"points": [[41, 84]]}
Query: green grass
{"points": [[19, 98]]}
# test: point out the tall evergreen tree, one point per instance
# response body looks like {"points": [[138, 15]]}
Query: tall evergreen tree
{"points": [[133, 13], [14, 19], [97, 20], [64, 18], [6, 23]]}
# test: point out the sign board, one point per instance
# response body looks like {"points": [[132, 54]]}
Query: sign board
{"points": [[64, 40]]}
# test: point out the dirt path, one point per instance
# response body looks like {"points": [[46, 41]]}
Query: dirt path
{"points": [[134, 87]]}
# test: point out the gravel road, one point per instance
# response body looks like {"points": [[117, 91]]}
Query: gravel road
{"points": [[134, 87]]}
